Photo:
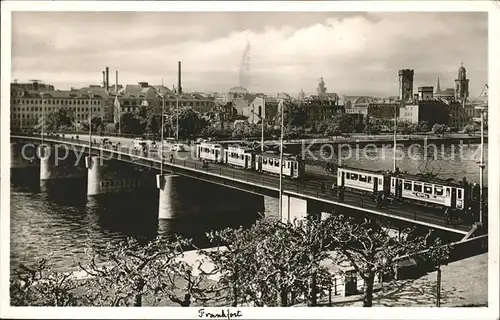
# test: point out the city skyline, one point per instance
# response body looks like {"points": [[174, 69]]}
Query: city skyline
{"points": [[356, 53]]}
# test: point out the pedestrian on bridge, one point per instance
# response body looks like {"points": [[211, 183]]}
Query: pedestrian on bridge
{"points": [[447, 215], [341, 194]]}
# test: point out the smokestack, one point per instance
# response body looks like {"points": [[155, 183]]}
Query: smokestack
{"points": [[179, 86], [116, 87], [104, 79], [107, 79]]}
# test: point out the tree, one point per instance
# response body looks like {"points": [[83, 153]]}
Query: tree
{"points": [[132, 270], [190, 123], [372, 127], [439, 129], [423, 126], [406, 127], [469, 129], [130, 124], [370, 249], [344, 121], [37, 285], [438, 254], [153, 124], [54, 121], [271, 262], [333, 129], [208, 131], [295, 114]]}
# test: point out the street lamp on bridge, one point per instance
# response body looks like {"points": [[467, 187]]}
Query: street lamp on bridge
{"points": [[90, 122], [281, 105], [162, 96], [481, 165]]}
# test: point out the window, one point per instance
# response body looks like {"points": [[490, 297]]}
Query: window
{"points": [[438, 190], [264, 160], [347, 175], [428, 188], [407, 185], [362, 178], [369, 179], [393, 182], [459, 193], [354, 176], [417, 187]]}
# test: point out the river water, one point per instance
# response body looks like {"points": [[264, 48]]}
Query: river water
{"points": [[57, 220]]}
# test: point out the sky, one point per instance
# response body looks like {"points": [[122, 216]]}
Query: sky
{"points": [[357, 53]]}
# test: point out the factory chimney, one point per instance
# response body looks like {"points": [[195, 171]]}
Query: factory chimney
{"points": [[104, 79], [179, 86], [107, 79], [116, 86]]}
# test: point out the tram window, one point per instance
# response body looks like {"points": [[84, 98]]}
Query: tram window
{"points": [[276, 163], [288, 165], [369, 179], [242, 157], [438, 190], [393, 182], [428, 188], [417, 187], [380, 181], [407, 185], [264, 160], [354, 176], [347, 175], [459, 193], [362, 178]]}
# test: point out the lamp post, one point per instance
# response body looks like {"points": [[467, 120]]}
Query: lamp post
{"points": [[281, 160], [177, 116], [162, 129], [481, 166], [395, 139], [90, 123], [43, 116]]}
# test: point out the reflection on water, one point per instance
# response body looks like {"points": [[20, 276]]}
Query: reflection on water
{"points": [[55, 218]]}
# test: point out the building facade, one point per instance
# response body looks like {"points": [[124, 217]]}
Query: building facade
{"points": [[431, 111], [28, 107]]}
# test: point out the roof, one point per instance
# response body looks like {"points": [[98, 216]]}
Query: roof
{"points": [[421, 178], [362, 170]]}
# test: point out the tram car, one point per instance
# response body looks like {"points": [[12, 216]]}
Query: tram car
{"points": [[361, 180], [437, 192], [412, 188], [212, 152], [269, 162], [240, 157]]}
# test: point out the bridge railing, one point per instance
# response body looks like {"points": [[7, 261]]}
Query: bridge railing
{"points": [[304, 187]]}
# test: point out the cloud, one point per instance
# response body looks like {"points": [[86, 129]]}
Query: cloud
{"points": [[355, 53]]}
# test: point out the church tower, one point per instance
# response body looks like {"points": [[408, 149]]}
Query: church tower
{"points": [[438, 87], [321, 87], [461, 84], [405, 85]]}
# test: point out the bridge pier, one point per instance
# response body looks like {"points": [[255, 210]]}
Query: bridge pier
{"points": [[46, 165], [94, 175], [164, 185], [296, 208]]}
